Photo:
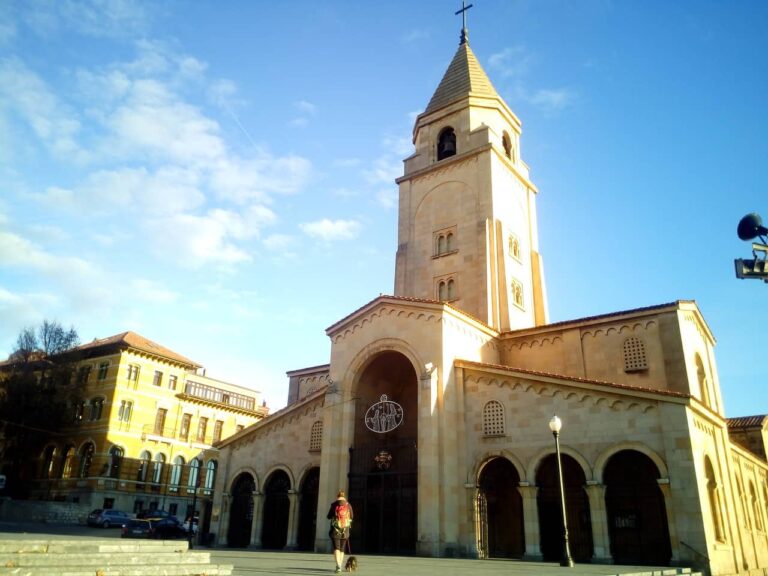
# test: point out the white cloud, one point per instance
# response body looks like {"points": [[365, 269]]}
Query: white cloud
{"points": [[305, 107], [55, 126], [385, 170], [279, 242], [150, 291], [100, 18], [553, 100], [416, 35], [511, 62], [19, 252], [329, 230]]}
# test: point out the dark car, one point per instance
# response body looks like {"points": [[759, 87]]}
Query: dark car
{"points": [[137, 528], [106, 518], [165, 528], [154, 514]]}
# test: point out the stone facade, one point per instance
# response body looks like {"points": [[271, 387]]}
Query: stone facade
{"points": [[435, 405]]}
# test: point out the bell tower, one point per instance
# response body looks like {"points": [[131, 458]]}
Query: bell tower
{"points": [[467, 231]]}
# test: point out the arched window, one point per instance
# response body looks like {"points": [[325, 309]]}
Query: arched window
{"points": [[514, 247], [743, 501], [69, 461], [194, 474], [441, 249], [442, 291], [157, 468], [86, 459], [517, 293], [115, 461], [210, 474], [493, 419], [46, 471], [701, 376], [316, 436], [143, 469], [451, 290], [449, 242], [507, 143], [713, 490], [176, 470], [446, 143], [635, 359]]}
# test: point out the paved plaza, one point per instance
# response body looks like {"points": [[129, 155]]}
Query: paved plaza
{"points": [[255, 562]]}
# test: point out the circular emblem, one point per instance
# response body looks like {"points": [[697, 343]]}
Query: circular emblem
{"points": [[384, 416]]}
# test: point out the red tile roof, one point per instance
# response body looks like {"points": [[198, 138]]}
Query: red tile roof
{"points": [[138, 342], [747, 421]]}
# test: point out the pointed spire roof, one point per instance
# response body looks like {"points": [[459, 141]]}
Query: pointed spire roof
{"points": [[463, 78]]}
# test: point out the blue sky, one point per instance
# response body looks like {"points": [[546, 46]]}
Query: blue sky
{"points": [[219, 176]]}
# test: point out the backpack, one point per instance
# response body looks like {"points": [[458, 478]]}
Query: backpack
{"points": [[342, 520]]}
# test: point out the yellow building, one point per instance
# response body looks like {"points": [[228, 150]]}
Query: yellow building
{"points": [[144, 434]]}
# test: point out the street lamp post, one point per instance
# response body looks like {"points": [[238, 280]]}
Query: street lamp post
{"points": [[191, 530], [555, 424]]}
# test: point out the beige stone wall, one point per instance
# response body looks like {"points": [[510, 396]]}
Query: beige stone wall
{"points": [[281, 442]]}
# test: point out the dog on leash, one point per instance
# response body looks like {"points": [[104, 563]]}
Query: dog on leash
{"points": [[351, 565]]}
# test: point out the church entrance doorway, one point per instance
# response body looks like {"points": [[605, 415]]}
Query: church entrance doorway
{"points": [[501, 511], [383, 459], [308, 510], [637, 517], [550, 510], [241, 512], [274, 531]]}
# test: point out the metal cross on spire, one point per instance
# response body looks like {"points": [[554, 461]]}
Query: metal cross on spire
{"points": [[463, 12]]}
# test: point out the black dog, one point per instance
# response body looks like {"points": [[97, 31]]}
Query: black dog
{"points": [[351, 564]]}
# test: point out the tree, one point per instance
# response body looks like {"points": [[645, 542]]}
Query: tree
{"points": [[37, 395]]}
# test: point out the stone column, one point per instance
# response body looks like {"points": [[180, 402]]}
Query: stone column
{"points": [[599, 514], [256, 523], [293, 520], [674, 540], [223, 531], [428, 540], [473, 550], [530, 521]]}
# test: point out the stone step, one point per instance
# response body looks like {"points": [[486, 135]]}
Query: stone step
{"points": [[105, 559], [663, 572], [84, 546], [148, 570]]}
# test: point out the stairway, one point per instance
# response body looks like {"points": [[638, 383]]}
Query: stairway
{"points": [[105, 557], [665, 572]]}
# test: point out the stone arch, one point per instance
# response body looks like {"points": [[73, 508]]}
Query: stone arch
{"points": [[241, 510], [550, 507], [383, 459], [535, 462], [638, 528], [244, 470], [499, 510], [368, 353], [603, 458], [277, 508], [309, 489], [514, 460]]}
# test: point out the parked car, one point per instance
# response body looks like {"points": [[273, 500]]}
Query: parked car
{"points": [[168, 528], [106, 518], [137, 528], [154, 514], [165, 528]]}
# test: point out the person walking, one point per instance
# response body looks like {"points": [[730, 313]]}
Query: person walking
{"points": [[340, 514]]}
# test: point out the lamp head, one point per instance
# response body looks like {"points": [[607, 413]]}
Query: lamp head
{"points": [[751, 226], [555, 424]]}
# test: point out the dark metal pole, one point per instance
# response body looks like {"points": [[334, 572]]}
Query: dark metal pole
{"points": [[191, 533], [566, 560]]}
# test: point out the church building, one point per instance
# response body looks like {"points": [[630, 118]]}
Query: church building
{"points": [[433, 412]]}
